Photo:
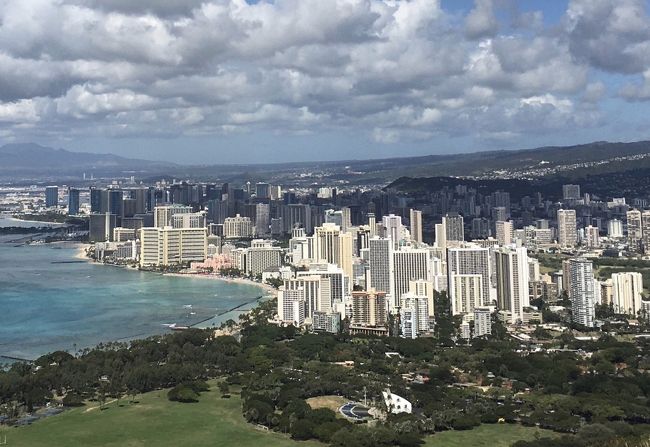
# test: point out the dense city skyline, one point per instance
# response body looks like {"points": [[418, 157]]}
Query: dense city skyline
{"points": [[292, 81]]}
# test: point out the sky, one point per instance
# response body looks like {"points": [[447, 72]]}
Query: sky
{"points": [[219, 81]]}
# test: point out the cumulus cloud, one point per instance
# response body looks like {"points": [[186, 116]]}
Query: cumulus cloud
{"points": [[613, 35], [391, 70], [481, 21]]}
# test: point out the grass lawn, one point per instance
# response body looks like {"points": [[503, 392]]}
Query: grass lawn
{"points": [[488, 435], [154, 421]]}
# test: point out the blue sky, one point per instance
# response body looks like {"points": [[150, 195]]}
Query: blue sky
{"points": [[230, 81]]}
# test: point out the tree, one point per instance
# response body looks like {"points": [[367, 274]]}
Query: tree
{"points": [[224, 389]]}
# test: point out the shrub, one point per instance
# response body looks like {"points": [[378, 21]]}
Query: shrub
{"points": [[183, 393]]}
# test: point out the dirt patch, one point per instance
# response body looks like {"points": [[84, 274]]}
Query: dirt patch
{"points": [[331, 402]]}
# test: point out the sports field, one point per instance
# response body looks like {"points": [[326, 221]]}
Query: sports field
{"points": [[488, 435], [153, 421]]}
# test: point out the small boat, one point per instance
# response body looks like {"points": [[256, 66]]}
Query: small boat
{"points": [[175, 327], [187, 306]]}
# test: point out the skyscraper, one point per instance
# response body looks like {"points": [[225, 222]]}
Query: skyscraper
{"points": [[566, 224], [592, 237], [482, 321], [634, 230], [414, 315], [615, 229], [115, 202], [369, 308], [333, 246], [262, 218], [73, 201], [571, 192], [454, 227], [408, 265], [468, 270], [163, 215], [416, 225], [393, 228], [51, 196], [380, 261], [504, 232], [512, 281], [627, 288], [582, 292], [645, 231]]}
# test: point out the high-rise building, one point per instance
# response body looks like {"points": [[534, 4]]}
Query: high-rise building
{"points": [[408, 265], [115, 202], [101, 227], [566, 224], [380, 261], [615, 229], [454, 227], [416, 226], [97, 202], [571, 192], [468, 270], [338, 284], [512, 281], [393, 229], [504, 232], [262, 218], [627, 289], [414, 315], [237, 227], [369, 308], [592, 237], [334, 246], [263, 190], [645, 230], [163, 215], [634, 230], [499, 213], [329, 322], [582, 292], [261, 256], [189, 220], [167, 246], [73, 201], [372, 223], [420, 287], [316, 293], [482, 321], [291, 306], [466, 292], [51, 196], [441, 236]]}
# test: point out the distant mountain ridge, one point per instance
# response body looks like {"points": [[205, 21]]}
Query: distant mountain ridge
{"points": [[31, 160], [24, 159], [31, 155]]}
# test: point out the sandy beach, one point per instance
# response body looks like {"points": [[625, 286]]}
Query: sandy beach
{"points": [[81, 252], [268, 288]]}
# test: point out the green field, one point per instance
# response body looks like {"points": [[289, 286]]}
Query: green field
{"points": [[153, 421], [489, 435]]}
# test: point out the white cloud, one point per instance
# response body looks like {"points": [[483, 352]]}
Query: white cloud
{"points": [[388, 69]]}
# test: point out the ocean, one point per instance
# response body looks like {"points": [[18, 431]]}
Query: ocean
{"points": [[50, 301]]}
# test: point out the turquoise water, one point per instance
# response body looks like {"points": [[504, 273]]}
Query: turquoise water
{"points": [[46, 305]]}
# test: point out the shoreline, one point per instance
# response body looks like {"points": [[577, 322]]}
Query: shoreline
{"points": [[82, 250], [215, 277]]}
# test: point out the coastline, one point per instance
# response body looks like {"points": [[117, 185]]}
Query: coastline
{"points": [[244, 281], [82, 250], [269, 292]]}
